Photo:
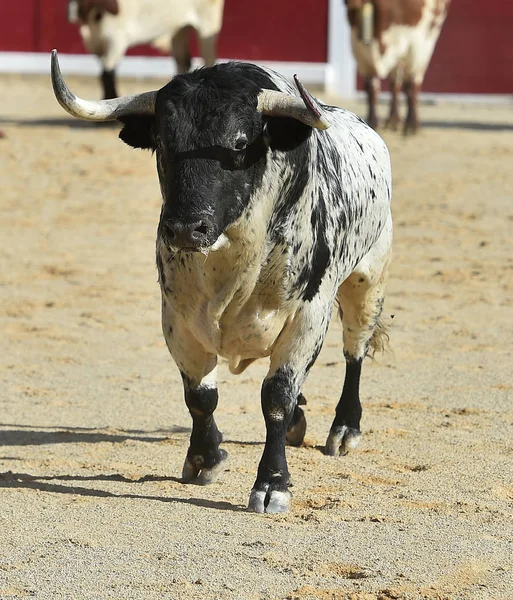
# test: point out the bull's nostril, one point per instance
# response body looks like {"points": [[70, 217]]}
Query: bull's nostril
{"points": [[203, 229]]}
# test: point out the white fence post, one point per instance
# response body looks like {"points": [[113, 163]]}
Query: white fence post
{"points": [[341, 67]]}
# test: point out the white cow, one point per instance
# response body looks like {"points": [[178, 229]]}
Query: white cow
{"points": [[395, 39], [109, 27]]}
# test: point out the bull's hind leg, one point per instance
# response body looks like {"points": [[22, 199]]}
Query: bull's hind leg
{"points": [[204, 460], [297, 426], [361, 300]]}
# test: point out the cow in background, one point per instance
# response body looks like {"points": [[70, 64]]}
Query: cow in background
{"points": [[109, 27], [395, 39]]}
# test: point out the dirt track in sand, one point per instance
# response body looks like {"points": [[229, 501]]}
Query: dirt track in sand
{"points": [[94, 430]]}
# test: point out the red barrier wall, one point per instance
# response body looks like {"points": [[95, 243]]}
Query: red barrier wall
{"points": [[263, 30], [474, 53]]}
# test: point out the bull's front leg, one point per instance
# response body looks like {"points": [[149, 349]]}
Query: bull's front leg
{"points": [[204, 460], [294, 354], [270, 492]]}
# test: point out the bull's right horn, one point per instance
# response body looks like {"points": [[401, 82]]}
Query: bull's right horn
{"points": [[101, 110], [304, 108]]}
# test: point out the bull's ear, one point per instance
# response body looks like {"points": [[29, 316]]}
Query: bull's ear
{"points": [[284, 133], [139, 131]]}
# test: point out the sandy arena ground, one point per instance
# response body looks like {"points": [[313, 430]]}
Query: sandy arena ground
{"points": [[93, 425]]}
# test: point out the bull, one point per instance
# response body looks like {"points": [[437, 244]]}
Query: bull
{"points": [[395, 39], [275, 207], [109, 27]]}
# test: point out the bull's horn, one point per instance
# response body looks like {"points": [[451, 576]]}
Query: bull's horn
{"points": [[305, 109], [102, 110]]}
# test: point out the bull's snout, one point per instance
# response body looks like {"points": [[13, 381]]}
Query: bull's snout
{"points": [[188, 236]]}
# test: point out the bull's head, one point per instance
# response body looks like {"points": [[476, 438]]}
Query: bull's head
{"points": [[211, 130]]}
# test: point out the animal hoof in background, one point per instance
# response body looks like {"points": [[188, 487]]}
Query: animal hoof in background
{"points": [[393, 122], [341, 440], [373, 122], [194, 472], [410, 128], [297, 428], [271, 502]]}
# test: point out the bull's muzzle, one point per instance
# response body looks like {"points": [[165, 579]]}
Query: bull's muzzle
{"points": [[187, 236]]}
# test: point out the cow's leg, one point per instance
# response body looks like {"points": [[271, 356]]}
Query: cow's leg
{"points": [[292, 357], [208, 49], [411, 89], [361, 300], [180, 48], [108, 81], [394, 118], [204, 460], [113, 52], [372, 87]]}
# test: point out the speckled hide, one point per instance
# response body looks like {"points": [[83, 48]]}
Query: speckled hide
{"points": [[275, 207], [316, 228]]}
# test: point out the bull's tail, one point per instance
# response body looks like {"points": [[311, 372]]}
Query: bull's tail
{"points": [[380, 339]]}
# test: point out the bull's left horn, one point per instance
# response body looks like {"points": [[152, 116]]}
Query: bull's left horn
{"points": [[101, 110], [305, 109]]}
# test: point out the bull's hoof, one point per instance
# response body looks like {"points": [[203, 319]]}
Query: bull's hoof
{"points": [[341, 440], [194, 472], [271, 502], [297, 428]]}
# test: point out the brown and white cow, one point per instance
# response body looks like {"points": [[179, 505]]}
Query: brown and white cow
{"points": [[395, 39]]}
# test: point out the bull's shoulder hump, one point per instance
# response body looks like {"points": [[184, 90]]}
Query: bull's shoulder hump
{"points": [[349, 133]]}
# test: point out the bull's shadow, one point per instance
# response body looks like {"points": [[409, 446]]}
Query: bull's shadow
{"points": [[467, 125], [78, 124], [41, 483], [69, 122], [26, 435], [35, 435]]}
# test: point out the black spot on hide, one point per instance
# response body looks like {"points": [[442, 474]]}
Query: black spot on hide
{"points": [[313, 272]]}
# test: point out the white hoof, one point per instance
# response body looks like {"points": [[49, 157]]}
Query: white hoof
{"points": [[341, 440], [192, 472], [269, 502]]}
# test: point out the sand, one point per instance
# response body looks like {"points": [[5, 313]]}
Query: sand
{"points": [[93, 427]]}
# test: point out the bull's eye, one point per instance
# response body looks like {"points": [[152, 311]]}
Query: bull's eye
{"points": [[241, 143]]}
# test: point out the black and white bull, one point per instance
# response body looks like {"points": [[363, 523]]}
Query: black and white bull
{"points": [[268, 218]]}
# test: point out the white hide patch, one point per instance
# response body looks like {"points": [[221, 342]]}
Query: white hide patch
{"points": [[221, 242]]}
